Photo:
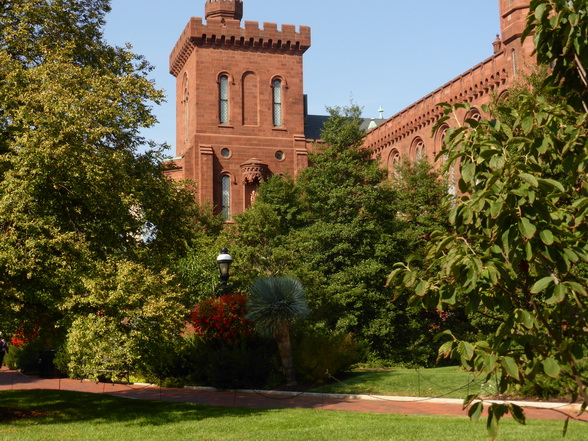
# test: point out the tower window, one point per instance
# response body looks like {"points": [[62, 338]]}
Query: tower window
{"points": [[224, 99], [226, 197], [277, 98]]}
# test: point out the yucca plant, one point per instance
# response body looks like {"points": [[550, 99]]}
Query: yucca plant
{"points": [[275, 303]]}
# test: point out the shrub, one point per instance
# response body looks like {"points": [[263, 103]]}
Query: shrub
{"points": [[26, 356], [249, 364], [319, 350], [546, 387], [222, 318], [224, 352]]}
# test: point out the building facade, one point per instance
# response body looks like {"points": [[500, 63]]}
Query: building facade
{"points": [[408, 135], [240, 112], [239, 104]]}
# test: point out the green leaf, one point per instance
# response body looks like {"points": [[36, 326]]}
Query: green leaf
{"points": [[525, 318], [421, 288], [527, 124], [529, 179], [577, 287], [517, 412], [550, 184], [541, 284], [551, 367], [496, 208], [495, 412], [468, 400], [559, 293], [570, 254], [510, 366], [443, 333], [574, 19], [475, 411], [446, 348], [527, 228], [489, 363], [497, 162], [466, 350], [409, 278], [546, 237], [468, 171], [539, 11]]}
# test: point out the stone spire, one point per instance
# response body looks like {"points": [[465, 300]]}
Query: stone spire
{"points": [[224, 10]]}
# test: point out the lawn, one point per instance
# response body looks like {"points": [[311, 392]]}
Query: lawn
{"points": [[65, 416], [446, 382]]}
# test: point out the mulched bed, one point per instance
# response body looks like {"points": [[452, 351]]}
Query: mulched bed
{"points": [[8, 414]]}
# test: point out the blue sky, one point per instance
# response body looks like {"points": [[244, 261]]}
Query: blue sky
{"points": [[385, 53]]}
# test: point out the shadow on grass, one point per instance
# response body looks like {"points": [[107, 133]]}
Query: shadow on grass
{"points": [[54, 407], [436, 382]]}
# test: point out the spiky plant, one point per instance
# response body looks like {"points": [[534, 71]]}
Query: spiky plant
{"points": [[274, 304]]}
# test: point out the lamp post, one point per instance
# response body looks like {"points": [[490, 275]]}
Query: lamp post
{"points": [[224, 261]]}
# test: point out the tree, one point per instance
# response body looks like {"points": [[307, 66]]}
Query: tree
{"points": [[336, 228], [420, 200], [348, 238], [518, 244], [274, 304], [78, 203], [559, 34], [258, 235]]}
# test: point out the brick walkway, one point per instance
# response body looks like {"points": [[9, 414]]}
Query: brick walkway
{"points": [[14, 380]]}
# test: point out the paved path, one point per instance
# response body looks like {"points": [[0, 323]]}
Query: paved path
{"points": [[14, 380]]}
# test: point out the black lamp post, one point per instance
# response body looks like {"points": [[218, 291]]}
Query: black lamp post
{"points": [[224, 261]]}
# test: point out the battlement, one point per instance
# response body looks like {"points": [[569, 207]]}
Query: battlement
{"points": [[213, 33], [481, 80]]}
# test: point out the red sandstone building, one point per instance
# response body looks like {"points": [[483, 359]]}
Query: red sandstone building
{"points": [[240, 112]]}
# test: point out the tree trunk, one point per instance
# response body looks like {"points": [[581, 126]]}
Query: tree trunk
{"points": [[285, 348]]}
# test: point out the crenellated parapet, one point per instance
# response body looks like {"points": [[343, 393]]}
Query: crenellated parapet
{"points": [[486, 78], [229, 34]]}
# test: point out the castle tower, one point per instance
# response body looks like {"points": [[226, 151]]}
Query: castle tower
{"points": [[513, 19], [239, 104], [223, 10]]}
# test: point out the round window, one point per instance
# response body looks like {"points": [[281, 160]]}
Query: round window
{"points": [[280, 155], [225, 153]]}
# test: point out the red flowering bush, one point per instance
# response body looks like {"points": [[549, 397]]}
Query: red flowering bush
{"points": [[22, 336], [222, 318]]}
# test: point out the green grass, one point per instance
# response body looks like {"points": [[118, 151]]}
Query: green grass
{"points": [[446, 382], [79, 417]]}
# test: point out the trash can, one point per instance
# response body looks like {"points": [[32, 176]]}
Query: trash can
{"points": [[46, 367]]}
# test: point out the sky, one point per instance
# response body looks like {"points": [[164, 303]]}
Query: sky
{"points": [[387, 53]]}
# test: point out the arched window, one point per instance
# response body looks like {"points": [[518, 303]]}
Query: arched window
{"points": [[226, 197], [419, 150], [394, 162], [277, 101], [223, 93], [439, 138], [474, 114]]}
